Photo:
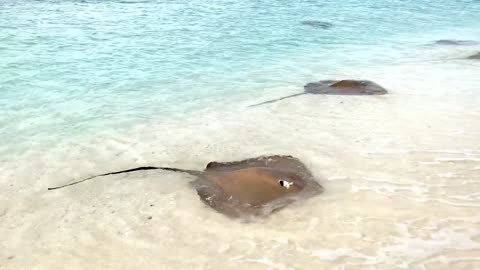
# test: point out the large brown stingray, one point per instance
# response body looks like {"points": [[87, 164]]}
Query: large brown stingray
{"points": [[256, 186], [341, 87]]}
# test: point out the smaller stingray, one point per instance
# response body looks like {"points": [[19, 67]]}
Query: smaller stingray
{"points": [[342, 87], [256, 186], [474, 56], [454, 42], [318, 24]]}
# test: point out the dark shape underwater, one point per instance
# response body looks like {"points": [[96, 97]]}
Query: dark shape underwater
{"points": [[455, 42], [342, 87], [318, 24], [251, 187], [474, 56]]}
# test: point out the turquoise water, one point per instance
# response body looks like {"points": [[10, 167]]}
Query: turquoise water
{"points": [[90, 87], [70, 68]]}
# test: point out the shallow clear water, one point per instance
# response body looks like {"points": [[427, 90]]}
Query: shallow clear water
{"points": [[94, 86], [76, 67]]}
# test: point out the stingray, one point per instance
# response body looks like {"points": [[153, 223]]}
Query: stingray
{"points": [[318, 24], [454, 42], [342, 87], [254, 187], [474, 56]]}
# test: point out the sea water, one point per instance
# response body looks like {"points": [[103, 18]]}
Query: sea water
{"points": [[90, 87]]}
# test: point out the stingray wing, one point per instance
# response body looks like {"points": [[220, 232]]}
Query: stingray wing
{"points": [[213, 196], [283, 163], [276, 162], [280, 162]]}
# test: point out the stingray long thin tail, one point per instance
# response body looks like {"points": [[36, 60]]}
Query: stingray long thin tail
{"points": [[275, 100], [191, 172]]}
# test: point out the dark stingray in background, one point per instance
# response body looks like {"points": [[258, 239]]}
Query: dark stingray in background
{"points": [[317, 24], [474, 56], [331, 87], [455, 42]]}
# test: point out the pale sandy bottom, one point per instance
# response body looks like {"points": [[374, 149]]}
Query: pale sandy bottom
{"points": [[401, 174]]}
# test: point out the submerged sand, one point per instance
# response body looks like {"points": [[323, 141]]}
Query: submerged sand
{"points": [[401, 174]]}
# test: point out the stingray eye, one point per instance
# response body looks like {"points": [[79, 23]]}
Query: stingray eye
{"points": [[284, 183]]}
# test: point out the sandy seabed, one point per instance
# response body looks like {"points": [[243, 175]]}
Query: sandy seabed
{"points": [[401, 174]]}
